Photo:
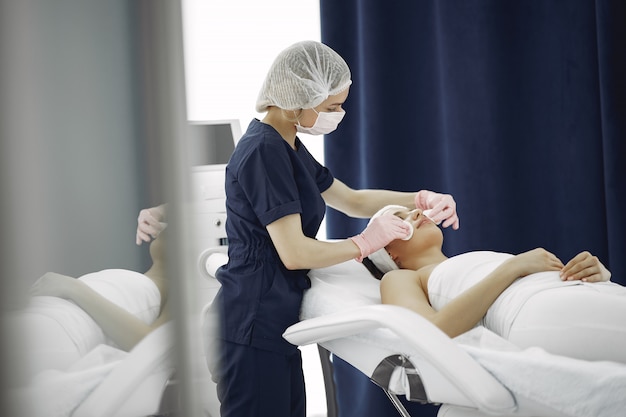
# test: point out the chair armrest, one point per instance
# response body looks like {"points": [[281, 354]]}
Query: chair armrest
{"points": [[428, 341], [152, 353]]}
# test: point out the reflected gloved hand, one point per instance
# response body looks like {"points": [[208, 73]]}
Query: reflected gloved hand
{"points": [[438, 207], [150, 224], [379, 233]]}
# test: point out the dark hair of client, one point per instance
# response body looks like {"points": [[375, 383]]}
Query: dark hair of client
{"points": [[376, 273]]}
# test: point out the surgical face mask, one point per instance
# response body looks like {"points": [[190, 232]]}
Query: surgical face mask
{"points": [[326, 122]]}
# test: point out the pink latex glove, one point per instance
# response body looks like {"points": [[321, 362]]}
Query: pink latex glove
{"points": [[149, 224], [438, 207], [379, 233]]}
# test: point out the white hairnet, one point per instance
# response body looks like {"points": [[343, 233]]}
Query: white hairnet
{"points": [[302, 76]]}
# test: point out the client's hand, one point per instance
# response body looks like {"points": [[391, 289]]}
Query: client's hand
{"points": [[381, 231], [438, 207], [149, 224], [536, 260], [585, 267]]}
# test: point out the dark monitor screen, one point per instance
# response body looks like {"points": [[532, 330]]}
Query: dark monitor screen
{"points": [[212, 143]]}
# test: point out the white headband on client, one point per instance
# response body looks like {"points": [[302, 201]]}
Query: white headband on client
{"points": [[381, 258]]}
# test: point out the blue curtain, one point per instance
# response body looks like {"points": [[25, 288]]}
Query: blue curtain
{"points": [[516, 108]]}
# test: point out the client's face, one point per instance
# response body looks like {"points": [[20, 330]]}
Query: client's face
{"points": [[426, 235], [415, 217]]}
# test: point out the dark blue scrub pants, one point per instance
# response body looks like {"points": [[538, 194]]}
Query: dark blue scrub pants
{"points": [[255, 382]]}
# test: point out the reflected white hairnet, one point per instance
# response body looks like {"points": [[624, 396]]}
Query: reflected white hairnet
{"points": [[303, 76]]}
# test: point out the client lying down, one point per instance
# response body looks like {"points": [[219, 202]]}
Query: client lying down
{"points": [[531, 299], [67, 318]]}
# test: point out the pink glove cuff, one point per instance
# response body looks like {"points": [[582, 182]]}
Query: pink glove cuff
{"points": [[363, 245]]}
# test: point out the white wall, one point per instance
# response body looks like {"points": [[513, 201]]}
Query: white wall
{"points": [[230, 45]]}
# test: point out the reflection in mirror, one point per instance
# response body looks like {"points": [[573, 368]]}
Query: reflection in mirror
{"points": [[88, 343], [88, 109]]}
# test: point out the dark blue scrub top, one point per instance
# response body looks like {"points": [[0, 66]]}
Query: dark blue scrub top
{"points": [[266, 180]]}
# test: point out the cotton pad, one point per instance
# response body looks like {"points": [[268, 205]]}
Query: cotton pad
{"points": [[411, 229], [427, 214]]}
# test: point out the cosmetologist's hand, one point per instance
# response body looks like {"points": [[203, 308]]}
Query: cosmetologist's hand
{"points": [[379, 233], [438, 207], [585, 267]]}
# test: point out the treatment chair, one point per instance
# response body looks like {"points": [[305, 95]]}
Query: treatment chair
{"points": [[405, 354]]}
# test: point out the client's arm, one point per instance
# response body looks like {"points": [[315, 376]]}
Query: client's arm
{"points": [[409, 289], [119, 325]]}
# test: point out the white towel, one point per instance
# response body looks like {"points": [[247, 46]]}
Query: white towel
{"points": [[574, 387], [132, 291], [55, 393]]}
